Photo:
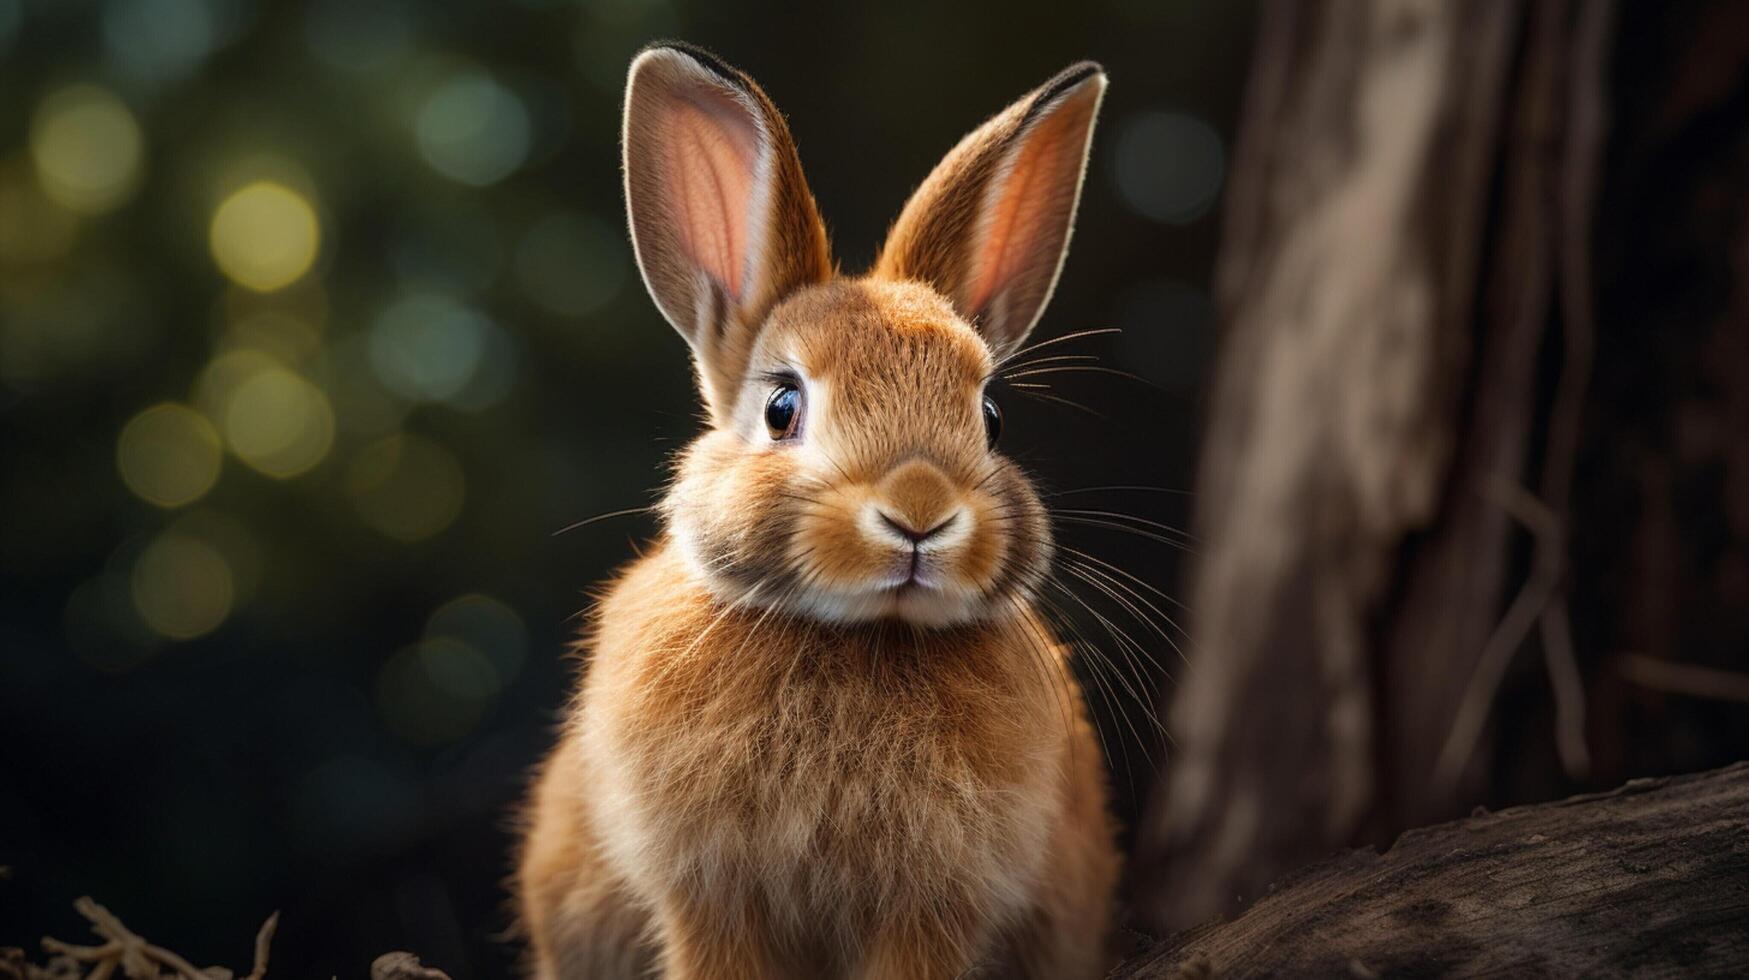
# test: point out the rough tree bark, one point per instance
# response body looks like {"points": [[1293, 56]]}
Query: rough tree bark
{"points": [[1650, 880], [1476, 255]]}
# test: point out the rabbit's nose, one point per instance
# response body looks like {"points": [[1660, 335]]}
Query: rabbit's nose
{"points": [[917, 501], [912, 534]]}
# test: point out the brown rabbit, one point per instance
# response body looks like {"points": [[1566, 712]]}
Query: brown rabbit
{"points": [[822, 731]]}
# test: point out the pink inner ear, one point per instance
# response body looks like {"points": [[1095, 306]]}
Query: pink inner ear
{"points": [[1021, 238], [707, 178]]}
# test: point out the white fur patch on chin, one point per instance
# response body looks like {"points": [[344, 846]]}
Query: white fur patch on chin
{"points": [[933, 608]]}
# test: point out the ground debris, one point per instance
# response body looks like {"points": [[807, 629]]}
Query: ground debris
{"points": [[403, 966], [124, 951]]}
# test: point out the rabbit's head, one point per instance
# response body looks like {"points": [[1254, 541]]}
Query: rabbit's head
{"points": [[851, 470]]}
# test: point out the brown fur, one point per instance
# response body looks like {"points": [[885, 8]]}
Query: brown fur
{"points": [[807, 745]]}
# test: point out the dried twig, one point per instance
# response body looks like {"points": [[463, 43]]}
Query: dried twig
{"points": [[403, 966], [123, 950]]}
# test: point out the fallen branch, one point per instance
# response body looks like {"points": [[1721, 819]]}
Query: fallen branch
{"points": [[1650, 879]]}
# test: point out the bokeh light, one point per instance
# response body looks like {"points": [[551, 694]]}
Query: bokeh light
{"points": [[472, 129], [426, 347], [1169, 166], [435, 691], [278, 422], [169, 455], [158, 40], [182, 586], [218, 381], [282, 333], [88, 149], [265, 236], [273, 418], [494, 377], [571, 264], [406, 487], [233, 540], [484, 624]]}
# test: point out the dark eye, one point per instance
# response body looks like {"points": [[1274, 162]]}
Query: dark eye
{"points": [[992, 421], [783, 411]]}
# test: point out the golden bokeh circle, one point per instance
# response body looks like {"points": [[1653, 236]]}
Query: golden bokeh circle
{"points": [[182, 586], [169, 455], [87, 148], [265, 236], [278, 422]]}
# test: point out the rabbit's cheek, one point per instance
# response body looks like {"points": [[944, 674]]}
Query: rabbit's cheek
{"points": [[831, 548], [728, 511], [980, 558]]}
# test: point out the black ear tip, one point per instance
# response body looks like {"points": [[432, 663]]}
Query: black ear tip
{"points": [[1061, 84], [1070, 77], [705, 59]]}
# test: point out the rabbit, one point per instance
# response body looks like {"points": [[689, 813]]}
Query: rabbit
{"points": [[821, 729]]}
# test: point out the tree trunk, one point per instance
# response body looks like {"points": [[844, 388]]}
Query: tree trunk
{"points": [[1422, 291]]}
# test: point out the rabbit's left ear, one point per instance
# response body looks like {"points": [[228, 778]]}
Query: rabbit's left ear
{"points": [[721, 218], [990, 226]]}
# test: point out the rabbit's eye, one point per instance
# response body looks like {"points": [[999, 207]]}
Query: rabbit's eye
{"points": [[992, 421], [783, 411]]}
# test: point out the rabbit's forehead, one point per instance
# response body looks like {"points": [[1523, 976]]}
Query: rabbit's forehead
{"points": [[873, 341]]}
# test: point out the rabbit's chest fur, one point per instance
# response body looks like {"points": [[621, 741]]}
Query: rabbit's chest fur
{"points": [[831, 776]]}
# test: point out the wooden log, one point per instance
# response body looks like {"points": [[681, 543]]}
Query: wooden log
{"points": [[1651, 879]]}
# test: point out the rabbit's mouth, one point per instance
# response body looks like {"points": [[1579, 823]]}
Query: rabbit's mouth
{"points": [[917, 573], [926, 596], [912, 584]]}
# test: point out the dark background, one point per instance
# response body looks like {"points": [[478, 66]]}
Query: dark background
{"points": [[318, 684]]}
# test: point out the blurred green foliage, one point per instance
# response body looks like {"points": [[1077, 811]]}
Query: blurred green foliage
{"points": [[317, 321]]}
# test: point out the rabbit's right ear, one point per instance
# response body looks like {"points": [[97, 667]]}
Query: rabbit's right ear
{"points": [[721, 218], [990, 226]]}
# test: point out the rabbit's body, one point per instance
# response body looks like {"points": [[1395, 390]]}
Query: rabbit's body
{"points": [[823, 730], [826, 797]]}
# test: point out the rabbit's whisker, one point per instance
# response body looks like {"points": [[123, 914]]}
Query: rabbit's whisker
{"points": [[1099, 670], [1121, 516], [1062, 401], [1077, 335], [1047, 651], [1008, 369], [1125, 643], [602, 517], [1127, 599], [1127, 529], [1120, 487], [1086, 369], [1108, 566]]}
